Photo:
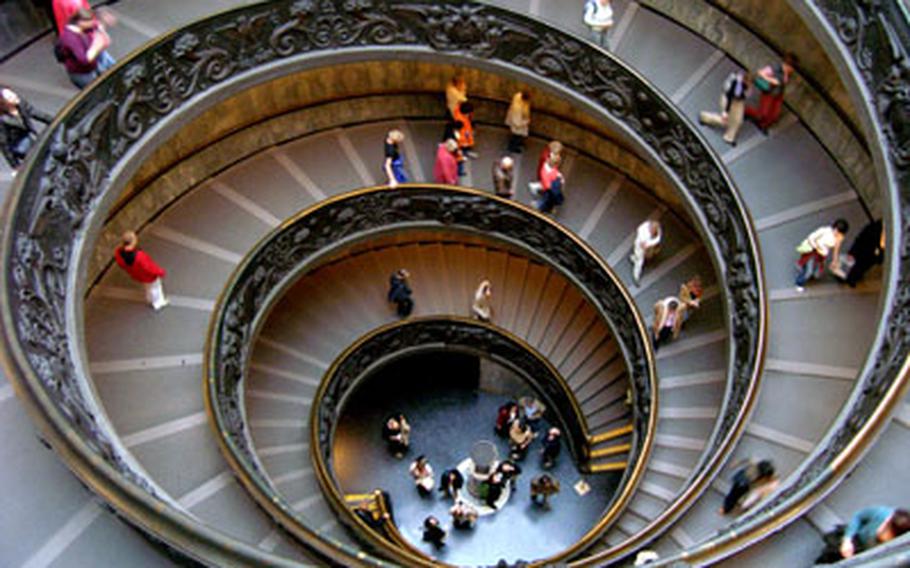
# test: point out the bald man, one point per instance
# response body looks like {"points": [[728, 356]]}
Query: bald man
{"points": [[503, 171]]}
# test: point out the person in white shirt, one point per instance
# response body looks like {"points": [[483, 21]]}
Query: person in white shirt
{"points": [[821, 244], [482, 308], [599, 17], [647, 245]]}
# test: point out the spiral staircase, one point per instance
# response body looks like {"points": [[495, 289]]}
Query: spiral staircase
{"points": [[146, 368]]}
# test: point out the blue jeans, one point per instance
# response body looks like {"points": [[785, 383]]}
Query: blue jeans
{"points": [[811, 268], [398, 171], [104, 62]]}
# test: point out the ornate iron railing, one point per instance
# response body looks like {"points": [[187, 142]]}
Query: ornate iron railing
{"points": [[60, 199], [407, 337], [870, 43], [325, 229]]}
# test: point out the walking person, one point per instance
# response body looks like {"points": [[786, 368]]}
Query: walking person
{"points": [[397, 433], [456, 93], [509, 471], [732, 106], [520, 437], [482, 307], [771, 81], [82, 48], [18, 127], [141, 268], [393, 166], [433, 532], [647, 245], [755, 478], [518, 119], [667, 321], [867, 250], [598, 16], [422, 472], [445, 170], [400, 292], [503, 177], [464, 515], [690, 293], [552, 444], [450, 483], [815, 249], [542, 487], [464, 114]]}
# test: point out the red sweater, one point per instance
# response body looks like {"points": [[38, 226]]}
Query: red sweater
{"points": [[445, 170], [142, 268]]}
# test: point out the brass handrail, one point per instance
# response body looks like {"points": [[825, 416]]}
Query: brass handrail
{"points": [[232, 442]]}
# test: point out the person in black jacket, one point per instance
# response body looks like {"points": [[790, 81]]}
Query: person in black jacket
{"points": [[18, 131], [868, 250], [433, 532], [400, 292]]}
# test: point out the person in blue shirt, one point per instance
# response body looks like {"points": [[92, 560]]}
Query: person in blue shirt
{"points": [[872, 526]]}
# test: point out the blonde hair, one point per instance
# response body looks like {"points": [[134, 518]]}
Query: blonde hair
{"points": [[396, 136], [451, 144], [129, 239]]}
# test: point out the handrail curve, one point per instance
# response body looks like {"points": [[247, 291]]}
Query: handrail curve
{"points": [[326, 228], [59, 199]]}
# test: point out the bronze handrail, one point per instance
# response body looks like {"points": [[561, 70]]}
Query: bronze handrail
{"points": [[272, 265]]}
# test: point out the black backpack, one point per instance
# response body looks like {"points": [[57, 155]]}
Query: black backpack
{"points": [[60, 52]]}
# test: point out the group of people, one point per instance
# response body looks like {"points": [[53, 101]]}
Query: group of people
{"points": [[672, 312], [458, 143], [770, 82], [514, 421]]}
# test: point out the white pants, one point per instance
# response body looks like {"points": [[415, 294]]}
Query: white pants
{"points": [[154, 294]]}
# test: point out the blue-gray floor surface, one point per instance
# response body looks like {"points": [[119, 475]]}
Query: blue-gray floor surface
{"points": [[446, 420]]}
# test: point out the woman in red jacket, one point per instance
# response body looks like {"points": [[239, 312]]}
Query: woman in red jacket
{"points": [[141, 268]]}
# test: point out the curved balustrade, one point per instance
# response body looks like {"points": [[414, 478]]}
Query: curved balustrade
{"points": [[432, 333], [296, 247], [61, 197], [869, 41]]}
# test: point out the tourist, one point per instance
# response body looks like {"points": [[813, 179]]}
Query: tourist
{"points": [[18, 127], [867, 529], [422, 473], [451, 483], [549, 188], [482, 307], [506, 414], [552, 444], [553, 149], [598, 16], [520, 437], [464, 515], [464, 114], [496, 484], [82, 48], [771, 81], [732, 106], [456, 93], [397, 433], [433, 532], [750, 483], [518, 119], [542, 487], [531, 408], [445, 170], [509, 471], [503, 177], [821, 244], [667, 321], [646, 247], [400, 292], [141, 268], [393, 166], [690, 293], [868, 250]]}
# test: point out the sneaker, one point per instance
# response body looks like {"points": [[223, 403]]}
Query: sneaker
{"points": [[800, 289], [472, 154]]}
